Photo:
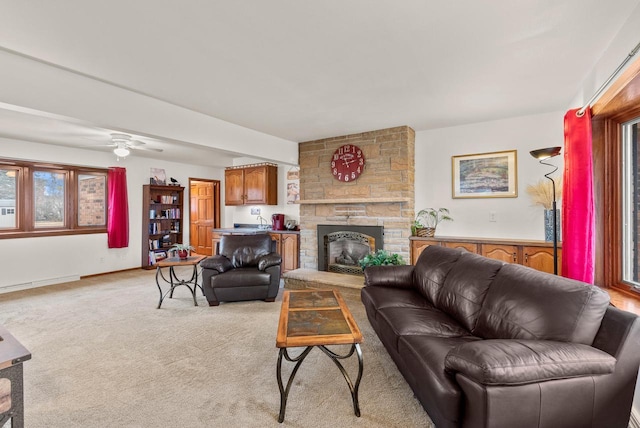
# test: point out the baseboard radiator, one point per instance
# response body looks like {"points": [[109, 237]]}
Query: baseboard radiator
{"points": [[40, 283]]}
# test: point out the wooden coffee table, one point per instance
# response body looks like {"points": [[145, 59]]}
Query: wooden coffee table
{"points": [[316, 318]]}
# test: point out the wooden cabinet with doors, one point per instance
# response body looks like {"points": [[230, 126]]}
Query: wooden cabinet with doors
{"points": [[534, 254], [162, 221], [251, 185], [288, 244]]}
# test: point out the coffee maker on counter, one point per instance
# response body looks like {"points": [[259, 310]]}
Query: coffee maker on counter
{"points": [[277, 222]]}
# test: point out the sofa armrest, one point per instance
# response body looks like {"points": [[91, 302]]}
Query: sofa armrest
{"points": [[389, 276], [268, 260], [516, 362], [217, 262]]}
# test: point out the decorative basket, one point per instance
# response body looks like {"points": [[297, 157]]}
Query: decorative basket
{"points": [[425, 232]]}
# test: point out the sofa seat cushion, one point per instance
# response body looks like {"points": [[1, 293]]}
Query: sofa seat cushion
{"points": [[437, 390], [241, 277], [386, 297], [515, 362], [523, 303], [402, 321]]}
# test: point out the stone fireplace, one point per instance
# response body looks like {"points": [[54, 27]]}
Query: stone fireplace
{"points": [[382, 196], [340, 247]]}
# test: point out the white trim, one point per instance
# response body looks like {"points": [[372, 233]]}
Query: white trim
{"points": [[40, 283]]}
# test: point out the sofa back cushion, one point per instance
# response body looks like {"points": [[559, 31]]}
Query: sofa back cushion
{"points": [[523, 303], [245, 250], [432, 268], [466, 287]]}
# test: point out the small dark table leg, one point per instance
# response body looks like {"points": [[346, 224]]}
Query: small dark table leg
{"points": [[284, 393]]}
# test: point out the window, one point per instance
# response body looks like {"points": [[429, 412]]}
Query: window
{"points": [[41, 200], [630, 203]]}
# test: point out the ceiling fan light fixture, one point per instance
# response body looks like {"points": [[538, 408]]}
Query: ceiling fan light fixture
{"points": [[121, 151]]}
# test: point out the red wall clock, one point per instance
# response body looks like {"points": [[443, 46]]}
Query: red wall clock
{"points": [[347, 163]]}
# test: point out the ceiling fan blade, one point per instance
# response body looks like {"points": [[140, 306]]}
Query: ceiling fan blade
{"points": [[149, 149]]}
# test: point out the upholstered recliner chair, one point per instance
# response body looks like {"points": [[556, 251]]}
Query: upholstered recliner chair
{"points": [[245, 268]]}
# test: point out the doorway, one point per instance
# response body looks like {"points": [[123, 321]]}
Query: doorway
{"points": [[204, 210]]}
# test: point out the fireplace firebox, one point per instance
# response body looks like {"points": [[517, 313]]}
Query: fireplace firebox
{"points": [[340, 247]]}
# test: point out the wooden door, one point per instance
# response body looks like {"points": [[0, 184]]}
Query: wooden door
{"points": [[289, 251], [204, 214], [540, 258], [254, 185], [234, 187], [506, 253]]}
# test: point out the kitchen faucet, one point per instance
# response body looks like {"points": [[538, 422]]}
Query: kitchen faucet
{"points": [[265, 225]]}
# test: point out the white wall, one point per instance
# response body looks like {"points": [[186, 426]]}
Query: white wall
{"points": [[515, 217], [48, 260]]}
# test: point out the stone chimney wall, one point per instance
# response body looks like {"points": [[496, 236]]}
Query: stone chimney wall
{"points": [[383, 195]]}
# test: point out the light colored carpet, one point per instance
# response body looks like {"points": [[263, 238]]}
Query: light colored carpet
{"points": [[104, 356]]}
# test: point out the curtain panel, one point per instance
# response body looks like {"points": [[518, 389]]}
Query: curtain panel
{"points": [[578, 209], [118, 209]]}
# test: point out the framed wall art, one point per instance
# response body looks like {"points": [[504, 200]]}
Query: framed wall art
{"points": [[485, 175]]}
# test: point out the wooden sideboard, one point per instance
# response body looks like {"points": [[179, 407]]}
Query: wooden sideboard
{"points": [[534, 254]]}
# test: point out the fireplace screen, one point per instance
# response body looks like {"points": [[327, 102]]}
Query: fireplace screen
{"points": [[340, 247], [344, 249]]}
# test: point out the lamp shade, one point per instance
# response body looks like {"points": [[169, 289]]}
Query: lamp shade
{"points": [[547, 153], [121, 151]]}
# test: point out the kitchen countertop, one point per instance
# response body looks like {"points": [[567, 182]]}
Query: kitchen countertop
{"points": [[251, 230]]}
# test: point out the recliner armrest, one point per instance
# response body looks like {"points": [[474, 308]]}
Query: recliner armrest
{"points": [[268, 260], [389, 276], [217, 262], [516, 362]]}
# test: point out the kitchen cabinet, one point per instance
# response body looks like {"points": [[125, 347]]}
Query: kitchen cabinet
{"points": [[255, 184], [534, 254]]}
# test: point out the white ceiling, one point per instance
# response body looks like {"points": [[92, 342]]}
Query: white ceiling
{"points": [[303, 70]]}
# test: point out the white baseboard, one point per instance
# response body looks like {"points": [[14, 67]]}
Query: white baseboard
{"points": [[634, 421], [40, 283]]}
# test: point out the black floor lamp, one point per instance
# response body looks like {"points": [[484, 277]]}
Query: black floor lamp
{"points": [[542, 155]]}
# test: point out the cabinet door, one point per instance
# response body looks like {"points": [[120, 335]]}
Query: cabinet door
{"points": [[234, 187], [506, 253], [278, 238], [469, 246], [417, 247], [215, 240], [255, 180], [289, 252], [540, 258]]}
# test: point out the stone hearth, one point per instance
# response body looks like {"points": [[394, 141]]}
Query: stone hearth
{"points": [[383, 195]]}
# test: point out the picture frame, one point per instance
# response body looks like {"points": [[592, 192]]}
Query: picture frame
{"points": [[158, 177], [485, 175]]}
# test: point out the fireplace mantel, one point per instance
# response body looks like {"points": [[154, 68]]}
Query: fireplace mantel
{"points": [[353, 201]]}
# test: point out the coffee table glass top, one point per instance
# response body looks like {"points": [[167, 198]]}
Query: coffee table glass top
{"points": [[315, 317]]}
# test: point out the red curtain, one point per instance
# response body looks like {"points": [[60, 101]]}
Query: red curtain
{"points": [[578, 211], [118, 218]]}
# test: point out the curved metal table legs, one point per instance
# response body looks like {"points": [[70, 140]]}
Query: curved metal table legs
{"points": [[353, 388], [174, 282]]}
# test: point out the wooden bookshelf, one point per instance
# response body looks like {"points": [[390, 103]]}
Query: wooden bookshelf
{"points": [[162, 221]]}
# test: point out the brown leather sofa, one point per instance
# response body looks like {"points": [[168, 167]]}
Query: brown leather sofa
{"points": [[245, 268], [488, 344]]}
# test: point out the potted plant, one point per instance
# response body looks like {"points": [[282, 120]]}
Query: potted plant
{"points": [[381, 258], [428, 219], [182, 250]]}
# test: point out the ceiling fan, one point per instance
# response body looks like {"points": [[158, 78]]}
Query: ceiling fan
{"points": [[123, 143]]}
